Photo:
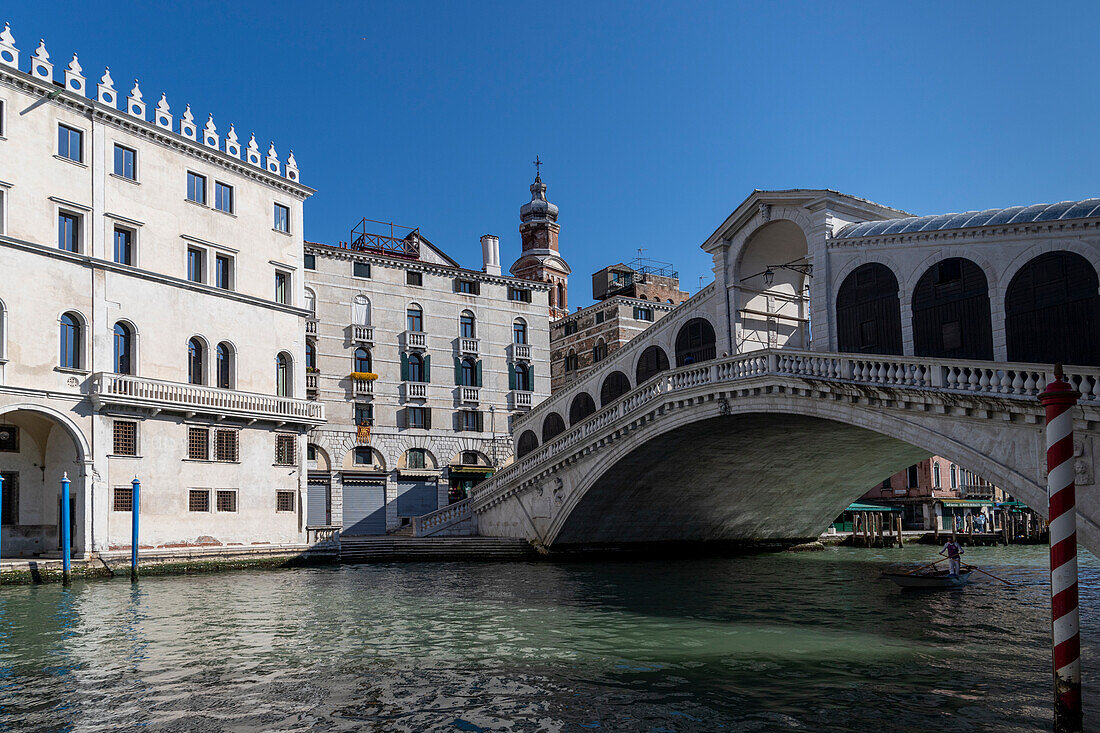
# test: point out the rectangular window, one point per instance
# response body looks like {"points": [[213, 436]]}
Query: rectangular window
{"points": [[284, 501], [282, 218], [227, 500], [3, 212], [363, 456], [285, 448], [418, 417], [9, 509], [196, 188], [9, 438], [360, 269], [282, 287], [416, 458], [311, 262], [469, 458], [68, 231], [124, 246], [364, 413], [125, 162], [226, 445], [195, 263], [599, 317], [198, 500], [198, 444], [570, 328], [643, 314], [469, 287], [911, 477], [125, 438], [414, 278], [471, 421], [123, 499], [223, 197], [519, 295], [70, 143], [223, 272], [2, 120]]}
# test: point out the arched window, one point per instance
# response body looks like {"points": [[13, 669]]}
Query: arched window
{"points": [[552, 426], [528, 442], [224, 366], [571, 363], [522, 377], [954, 476], [362, 360], [466, 325], [1052, 311], [360, 310], [582, 407], [311, 355], [519, 331], [868, 312], [195, 359], [71, 337], [599, 351], [414, 318], [951, 316], [282, 375], [416, 368], [695, 342], [468, 373], [935, 474], [615, 385], [124, 349], [3, 331], [311, 301], [561, 295], [653, 361]]}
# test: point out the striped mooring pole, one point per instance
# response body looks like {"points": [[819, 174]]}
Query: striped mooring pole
{"points": [[1059, 398], [66, 539], [135, 506]]}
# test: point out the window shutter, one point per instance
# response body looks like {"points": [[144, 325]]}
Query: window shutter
{"points": [[458, 371], [401, 421], [531, 377], [427, 418], [480, 419], [454, 285], [404, 367], [478, 371], [477, 288], [427, 368], [511, 376], [456, 418]]}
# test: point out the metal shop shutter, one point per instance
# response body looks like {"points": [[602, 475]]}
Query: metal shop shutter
{"points": [[317, 502], [364, 507], [415, 498]]}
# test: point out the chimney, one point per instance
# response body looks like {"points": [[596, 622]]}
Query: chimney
{"points": [[490, 254]]}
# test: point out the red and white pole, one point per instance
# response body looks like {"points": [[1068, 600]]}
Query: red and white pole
{"points": [[1058, 399]]}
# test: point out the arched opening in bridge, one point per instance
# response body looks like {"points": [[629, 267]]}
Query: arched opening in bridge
{"points": [[615, 385], [552, 426], [773, 308], [1052, 311], [695, 342], [527, 442], [951, 312], [652, 362], [582, 407], [36, 450], [868, 312]]}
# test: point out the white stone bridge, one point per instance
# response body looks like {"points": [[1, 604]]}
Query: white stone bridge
{"points": [[718, 423]]}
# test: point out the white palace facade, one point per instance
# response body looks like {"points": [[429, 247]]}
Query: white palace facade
{"points": [[152, 320]]}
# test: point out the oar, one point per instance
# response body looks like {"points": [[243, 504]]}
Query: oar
{"points": [[925, 566], [971, 567]]}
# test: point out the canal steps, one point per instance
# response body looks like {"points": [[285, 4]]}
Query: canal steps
{"points": [[399, 547]]}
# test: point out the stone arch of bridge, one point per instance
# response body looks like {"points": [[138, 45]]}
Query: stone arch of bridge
{"points": [[775, 433]]}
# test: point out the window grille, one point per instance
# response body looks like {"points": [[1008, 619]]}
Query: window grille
{"points": [[227, 500], [125, 438], [285, 449], [225, 445], [198, 500], [124, 499], [284, 501], [198, 444], [414, 278]]}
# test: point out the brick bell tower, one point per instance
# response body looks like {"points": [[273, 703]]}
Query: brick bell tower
{"points": [[539, 259]]}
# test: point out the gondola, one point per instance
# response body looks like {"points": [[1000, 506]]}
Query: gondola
{"points": [[936, 579]]}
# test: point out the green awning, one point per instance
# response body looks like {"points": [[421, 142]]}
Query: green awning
{"points": [[857, 507], [471, 471], [966, 503]]}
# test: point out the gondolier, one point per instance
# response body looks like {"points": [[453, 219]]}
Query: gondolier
{"points": [[953, 553]]}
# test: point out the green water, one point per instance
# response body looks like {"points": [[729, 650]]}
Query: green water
{"points": [[806, 641]]}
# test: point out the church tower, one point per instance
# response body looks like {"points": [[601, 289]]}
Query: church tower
{"points": [[539, 260]]}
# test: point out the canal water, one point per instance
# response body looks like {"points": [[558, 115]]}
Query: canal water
{"points": [[796, 641]]}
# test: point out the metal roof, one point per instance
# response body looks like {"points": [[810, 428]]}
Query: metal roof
{"points": [[990, 217]]}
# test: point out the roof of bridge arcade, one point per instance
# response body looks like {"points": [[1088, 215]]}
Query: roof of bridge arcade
{"points": [[1086, 209]]}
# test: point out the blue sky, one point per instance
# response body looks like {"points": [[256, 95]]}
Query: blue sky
{"points": [[654, 120]]}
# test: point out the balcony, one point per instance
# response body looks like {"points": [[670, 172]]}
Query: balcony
{"points": [[311, 382], [416, 340], [469, 395], [311, 327], [468, 346], [521, 351], [521, 400], [415, 390], [362, 387], [362, 334], [156, 395]]}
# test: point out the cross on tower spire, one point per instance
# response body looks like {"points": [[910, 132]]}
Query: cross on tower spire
{"points": [[538, 164]]}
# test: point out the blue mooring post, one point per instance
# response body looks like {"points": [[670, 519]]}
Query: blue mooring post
{"points": [[66, 570], [134, 526], [1, 505]]}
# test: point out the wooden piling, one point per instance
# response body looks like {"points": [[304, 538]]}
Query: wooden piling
{"points": [[901, 529]]}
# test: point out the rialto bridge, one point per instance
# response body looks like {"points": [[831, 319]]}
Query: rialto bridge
{"points": [[840, 342]]}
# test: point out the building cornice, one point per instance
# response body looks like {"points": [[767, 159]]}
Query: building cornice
{"points": [[655, 304]]}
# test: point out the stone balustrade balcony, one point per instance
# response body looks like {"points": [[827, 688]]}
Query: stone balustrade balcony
{"points": [[521, 400], [416, 340], [362, 387], [415, 390], [157, 395], [469, 395], [468, 346], [311, 381], [311, 327], [362, 334], [521, 351]]}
